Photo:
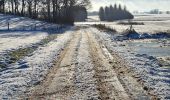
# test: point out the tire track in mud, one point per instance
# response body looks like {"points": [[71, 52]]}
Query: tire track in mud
{"points": [[129, 80], [108, 84], [84, 71], [59, 82], [72, 78], [84, 79]]}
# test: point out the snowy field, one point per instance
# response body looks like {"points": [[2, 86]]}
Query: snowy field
{"points": [[152, 23]]}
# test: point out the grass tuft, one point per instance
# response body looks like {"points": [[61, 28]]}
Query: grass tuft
{"points": [[103, 27], [131, 23], [16, 55]]}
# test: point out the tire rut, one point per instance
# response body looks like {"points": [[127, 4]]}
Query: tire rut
{"points": [[59, 82], [108, 84], [84, 71], [85, 81], [129, 80]]}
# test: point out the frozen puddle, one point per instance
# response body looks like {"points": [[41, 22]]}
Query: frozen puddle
{"points": [[151, 48], [145, 59]]}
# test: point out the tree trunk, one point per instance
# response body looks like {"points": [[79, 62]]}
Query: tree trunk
{"points": [[12, 4], [3, 6], [54, 10], [23, 8], [35, 9], [48, 10], [30, 9], [16, 6]]}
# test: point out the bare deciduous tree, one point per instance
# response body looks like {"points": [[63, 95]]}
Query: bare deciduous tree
{"points": [[58, 11]]}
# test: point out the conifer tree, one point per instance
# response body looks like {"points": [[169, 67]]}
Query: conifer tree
{"points": [[114, 13], [101, 14]]}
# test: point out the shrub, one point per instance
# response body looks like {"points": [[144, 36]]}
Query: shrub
{"points": [[104, 28], [131, 23]]}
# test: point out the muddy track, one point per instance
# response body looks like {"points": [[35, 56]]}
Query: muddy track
{"points": [[58, 83], [130, 81], [84, 71], [108, 84]]}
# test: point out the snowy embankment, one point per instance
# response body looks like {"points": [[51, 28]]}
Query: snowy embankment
{"points": [[30, 70], [17, 39], [154, 77], [20, 34], [23, 23]]}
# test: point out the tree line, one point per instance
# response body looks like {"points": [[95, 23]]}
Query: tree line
{"points": [[57, 11], [114, 13]]}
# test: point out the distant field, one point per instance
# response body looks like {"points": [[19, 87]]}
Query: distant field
{"points": [[152, 23]]}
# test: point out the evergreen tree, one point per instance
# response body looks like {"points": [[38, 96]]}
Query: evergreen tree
{"points": [[115, 6], [106, 13], [114, 13], [101, 14], [116, 10], [111, 12], [120, 13], [120, 7]]}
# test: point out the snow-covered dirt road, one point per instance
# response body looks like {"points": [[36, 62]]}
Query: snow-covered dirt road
{"points": [[79, 63], [86, 70]]}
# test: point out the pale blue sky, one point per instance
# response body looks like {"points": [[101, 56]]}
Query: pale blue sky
{"points": [[140, 5]]}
